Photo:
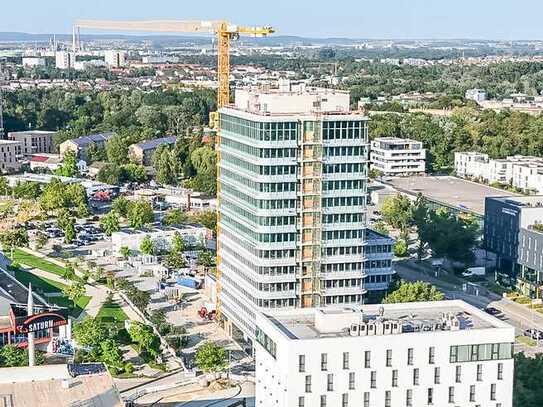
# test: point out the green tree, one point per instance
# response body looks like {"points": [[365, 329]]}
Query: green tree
{"points": [[175, 217], [69, 165], [413, 292], [165, 166], [210, 358], [178, 243], [420, 213], [134, 173], [69, 231], [527, 389], [111, 355], [5, 189], [13, 238], [125, 252], [28, 190], [41, 239], [89, 332], [380, 227], [145, 338], [207, 219], [120, 205], [110, 223], [117, 150], [397, 213], [140, 213], [95, 153], [69, 274], [74, 291], [400, 248], [147, 246], [206, 258], [175, 260]]}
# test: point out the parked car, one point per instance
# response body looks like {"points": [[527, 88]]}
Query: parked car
{"points": [[492, 311]]}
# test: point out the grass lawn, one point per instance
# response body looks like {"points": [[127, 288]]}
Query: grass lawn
{"points": [[526, 340], [28, 259], [44, 286], [112, 312]]}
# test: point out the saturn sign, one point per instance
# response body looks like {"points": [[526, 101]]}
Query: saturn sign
{"points": [[38, 322]]}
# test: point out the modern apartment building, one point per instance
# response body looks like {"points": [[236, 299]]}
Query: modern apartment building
{"points": [[142, 153], [445, 353], [11, 153], [393, 156], [114, 58], [514, 231], [64, 60], [80, 145], [292, 201], [34, 141]]}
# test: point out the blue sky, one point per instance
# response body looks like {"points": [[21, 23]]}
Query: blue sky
{"points": [[486, 19]]}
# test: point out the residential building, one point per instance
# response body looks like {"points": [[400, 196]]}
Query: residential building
{"points": [[477, 95], [528, 177], [115, 59], [471, 164], [292, 203], [512, 231], [59, 385], [393, 156], [161, 236], [33, 62], [49, 162], [11, 154], [34, 141], [445, 353], [378, 257], [80, 145], [142, 153], [64, 59]]}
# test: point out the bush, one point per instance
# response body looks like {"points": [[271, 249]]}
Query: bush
{"points": [[128, 368], [400, 248]]}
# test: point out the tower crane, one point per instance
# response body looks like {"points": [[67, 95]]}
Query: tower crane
{"points": [[225, 32]]}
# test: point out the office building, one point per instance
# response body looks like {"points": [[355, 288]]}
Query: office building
{"points": [[64, 59], [33, 62], [393, 156], [115, 59], [378, 255], [142, 153], [292, 201], [34, 141], [444, 353], [513, 230], [11, 153], [80, 145]]}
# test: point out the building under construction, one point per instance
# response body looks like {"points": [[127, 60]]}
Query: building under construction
{"points": [[292, 200]]}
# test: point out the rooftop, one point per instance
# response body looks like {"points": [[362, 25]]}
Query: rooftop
{"points": [[150, 144], [399, 319], [450, 191], [92, 138], [534, 201], [396, 140], [57, 385]]}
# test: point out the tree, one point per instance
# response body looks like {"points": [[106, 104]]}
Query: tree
{"points": [[401, 249], [41, 239], [206, 218], [175, 217], [13, 238], [165, 166], [89, 332], [120, 205], [110, 223], [28, 190], [12, 356], [140, 213], [147, 246], [419, 213], [75, 291], [413, 292], [145, 338], [111, 355], [175, 260], [178, 243], [69, 165], [5, 190], [125, 252], [380, 227], [69, 274], [69, 231], [210, 358], [527, 389], [206, 258], [134, 173], [396, 212], [95, 153], [117, 150]]}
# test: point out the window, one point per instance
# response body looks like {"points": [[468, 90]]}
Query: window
{"points": [[394, 378], [373, 379], [479, 353], [301, 363], [308, 384], [500, 371], [431, 355], [451, 394], [351, 381], [458, 374], [479, 373], [430, 396], [323, 400], [437, 375], [472, 392], [366, 399], [301, 401], [324, 361], [409, 398], [367, 359], [410, 357], [492, 392], [388, 399], [415, 377], [344, 400], [330, 382], [389, 358], [345, 360]]}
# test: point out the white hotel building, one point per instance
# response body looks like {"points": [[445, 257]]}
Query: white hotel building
{"points": [[441, 354], [292, 203], [393, 156]]}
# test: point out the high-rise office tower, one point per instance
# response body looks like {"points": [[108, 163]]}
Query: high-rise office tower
{"points": [[292, 199]]}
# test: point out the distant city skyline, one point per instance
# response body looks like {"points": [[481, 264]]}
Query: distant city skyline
{"points": [[386, 19]]}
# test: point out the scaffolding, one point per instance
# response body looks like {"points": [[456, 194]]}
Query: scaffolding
{"points": [[310, 220]]}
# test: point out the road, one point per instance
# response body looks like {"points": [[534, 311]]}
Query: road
{"points": [[517, 315]]}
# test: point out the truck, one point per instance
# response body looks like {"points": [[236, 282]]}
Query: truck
{"points": [[474, 271]]}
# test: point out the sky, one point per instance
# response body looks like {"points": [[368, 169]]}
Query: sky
{"points": [[397, 19]]}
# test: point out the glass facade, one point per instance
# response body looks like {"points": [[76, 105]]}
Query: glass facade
{"points": [[290, 191]]}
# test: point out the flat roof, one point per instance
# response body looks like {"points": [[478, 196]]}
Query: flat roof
{"points": [[450, 191], [413, 317]]}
